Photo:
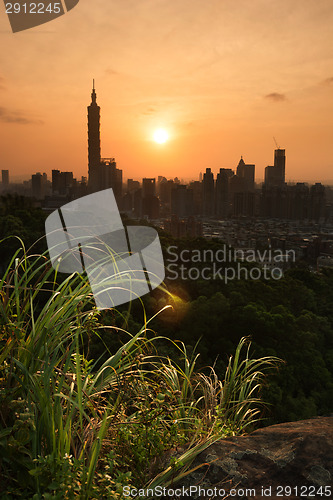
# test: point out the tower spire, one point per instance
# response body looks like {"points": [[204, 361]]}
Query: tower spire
{"points": [[93, 94], [94, 141]]}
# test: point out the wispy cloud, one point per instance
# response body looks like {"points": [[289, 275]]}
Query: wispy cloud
{"points": [[8, 116], [149, 111], [111, 72], [275, 97], [328, 81]]}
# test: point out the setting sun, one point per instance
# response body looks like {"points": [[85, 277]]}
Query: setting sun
{"points": [[161, 136]]}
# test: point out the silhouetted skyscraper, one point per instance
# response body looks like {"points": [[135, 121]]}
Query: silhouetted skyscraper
{"points": [[165, 189], [38, 185], [181, 200], [280, 159], [110, 176], [317, 202], [150, 202], [5, 178], [246, 172], [103, 172], [62, 182], [196, 188], [275, 175], [132, 185], [148, 187], [298, 201], [275, 201], [208, 192], [94, 141], [222, 192]]}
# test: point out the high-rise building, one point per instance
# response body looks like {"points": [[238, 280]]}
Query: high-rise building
{"points": [[222, 192], [132, 185], [150, 202], [165, 188], [94, 140], [275, 201], [246, 172], [244, 204], [103, 172], [317, 202], [196, 188], [181, 200], [38, 185], [137, 202], [208, 193], [298, 201], [275, 174], [280, 160], [295, 202], [5, 178], [109, 176], [148, 187], [62, 182]]}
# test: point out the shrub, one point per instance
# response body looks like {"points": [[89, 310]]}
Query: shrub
{"points": [[70, 427]]}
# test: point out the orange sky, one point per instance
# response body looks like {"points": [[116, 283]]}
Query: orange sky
{"points": [[222, 76]]}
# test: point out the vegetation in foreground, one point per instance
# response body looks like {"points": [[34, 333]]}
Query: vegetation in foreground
{"points": [[73, 427], [290, 318]]}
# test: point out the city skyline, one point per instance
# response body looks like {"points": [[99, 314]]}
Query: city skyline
{"points": [[222, 80], [103, 173]]}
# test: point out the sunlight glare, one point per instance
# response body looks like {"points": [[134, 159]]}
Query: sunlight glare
{"points": [[161, 136]]}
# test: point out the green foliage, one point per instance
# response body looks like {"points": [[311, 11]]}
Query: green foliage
{"points": [[291, 318], [72, 427], [20, 218]]}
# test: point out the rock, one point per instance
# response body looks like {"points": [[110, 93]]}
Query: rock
{"points": [[291, 460]]}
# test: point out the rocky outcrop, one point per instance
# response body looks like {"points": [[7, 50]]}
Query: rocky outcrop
{"points": [[290, 460]]}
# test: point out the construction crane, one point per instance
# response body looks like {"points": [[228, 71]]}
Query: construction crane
{"points": [[276, 144]]}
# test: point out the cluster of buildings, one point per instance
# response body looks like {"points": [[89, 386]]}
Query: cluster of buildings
{"points": [[308, 240], [232, 194]]}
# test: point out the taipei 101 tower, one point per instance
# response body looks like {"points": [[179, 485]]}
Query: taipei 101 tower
{"points": [[94, 141], [102, 172]]}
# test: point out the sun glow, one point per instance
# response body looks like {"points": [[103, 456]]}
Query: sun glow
{"points": [[161, 136]]}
